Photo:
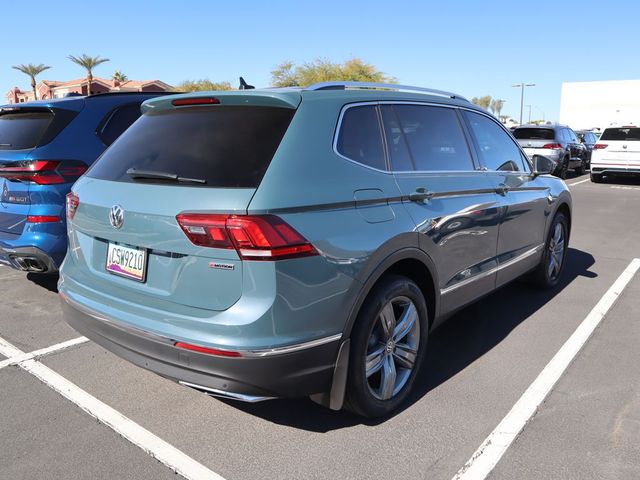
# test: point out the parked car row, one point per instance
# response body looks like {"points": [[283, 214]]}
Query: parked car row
{"points": [[567, 149], [283, 242]]}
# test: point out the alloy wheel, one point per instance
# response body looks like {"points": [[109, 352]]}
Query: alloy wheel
{"points": [[392, 348], [556, 252]]}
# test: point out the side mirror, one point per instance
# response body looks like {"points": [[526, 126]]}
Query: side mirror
{"points": [[542, 165]]}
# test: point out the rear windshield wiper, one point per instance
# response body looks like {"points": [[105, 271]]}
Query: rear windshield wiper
{"points": [[152, 174]]}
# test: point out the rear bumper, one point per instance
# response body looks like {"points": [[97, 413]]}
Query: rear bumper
{"points": [[604, 169], [27, 259], [289, 371]]}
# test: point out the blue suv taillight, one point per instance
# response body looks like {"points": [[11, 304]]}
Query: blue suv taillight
{"points": [[44, 172]]}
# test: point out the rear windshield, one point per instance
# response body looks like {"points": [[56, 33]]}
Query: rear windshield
{"points": [[226, 146], [534, 134], [625, 133], [21, 130]]}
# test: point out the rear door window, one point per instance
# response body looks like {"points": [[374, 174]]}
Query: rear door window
{"points": [[359, 138], [425, 139], [22, 130], [496, 149], [226, 146], [117, 122], [622, 134]]}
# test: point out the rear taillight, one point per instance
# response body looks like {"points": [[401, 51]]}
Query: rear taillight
{"points": [[600, 146], [552, 146], [45, 172], [72, 204], [254, 237]]}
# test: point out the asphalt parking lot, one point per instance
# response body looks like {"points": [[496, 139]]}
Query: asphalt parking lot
{"points": [[479, 365]]}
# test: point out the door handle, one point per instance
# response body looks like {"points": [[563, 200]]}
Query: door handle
{"points": [[502, 189], [421, 195]]}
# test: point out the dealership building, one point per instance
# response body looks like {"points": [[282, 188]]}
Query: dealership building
{"points": [[585, 105]]}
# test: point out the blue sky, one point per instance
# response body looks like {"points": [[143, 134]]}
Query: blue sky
{"points": [[469, 47]]}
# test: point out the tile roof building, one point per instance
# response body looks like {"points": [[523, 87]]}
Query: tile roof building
{"points": [[55, 89]]}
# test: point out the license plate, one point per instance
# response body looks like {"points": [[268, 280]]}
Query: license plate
{"points": [[127, 262]]}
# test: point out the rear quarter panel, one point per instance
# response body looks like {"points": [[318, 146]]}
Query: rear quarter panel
{"points": [[314, 189]]}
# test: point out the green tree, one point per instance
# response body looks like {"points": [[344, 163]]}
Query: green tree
{"points": [[119, 76], [33, 71], [483, 102], [201, 85], [288, 74], [88, 63]]}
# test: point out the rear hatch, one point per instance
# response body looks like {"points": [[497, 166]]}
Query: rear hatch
{"points": [[533, 139], [195, 156], [620, 147], [22, 130]]}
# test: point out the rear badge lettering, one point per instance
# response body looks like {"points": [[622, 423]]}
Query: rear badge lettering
{"points": [[222, 266]]}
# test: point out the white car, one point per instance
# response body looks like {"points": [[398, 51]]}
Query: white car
{"points": [[616, 153]]}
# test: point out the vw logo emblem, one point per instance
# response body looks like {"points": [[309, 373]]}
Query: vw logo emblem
{"points": [[116, 216]]}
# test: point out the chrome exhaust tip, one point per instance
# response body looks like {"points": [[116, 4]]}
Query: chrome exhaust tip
{"points": [[214, 392]]}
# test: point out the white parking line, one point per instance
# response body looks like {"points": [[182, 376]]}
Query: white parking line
{"points": [[622, 187], [578, 183], [162, 451], [496, 444], [42, 352]]}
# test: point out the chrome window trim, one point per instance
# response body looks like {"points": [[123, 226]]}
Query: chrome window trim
{"points": [[336, 134], [493, 270], [344, 108]]}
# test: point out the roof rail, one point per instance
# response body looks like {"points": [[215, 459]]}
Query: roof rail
{"points": [[386, 86], [115, 93]]}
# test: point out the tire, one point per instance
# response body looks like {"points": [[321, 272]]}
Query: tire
{"points": [[549, 271], [596, 177], [561, 171], [391, 370]]}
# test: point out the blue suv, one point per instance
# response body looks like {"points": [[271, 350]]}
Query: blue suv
{"points": [[44, 147]]}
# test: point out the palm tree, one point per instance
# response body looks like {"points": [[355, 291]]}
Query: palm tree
{"points": [[32, 70], [88, 63], [498, 106], [119, 76]]}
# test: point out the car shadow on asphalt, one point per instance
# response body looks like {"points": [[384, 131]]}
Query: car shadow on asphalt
{"points": [[453, 346], [623, 181], [44, 280]]}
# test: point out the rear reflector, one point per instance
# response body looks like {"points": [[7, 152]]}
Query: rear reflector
{"points": [[72, 204], [195, 101], [207, 350], [600, 146], [254, 237], [42, 218], [45, 172], [552, 146]]}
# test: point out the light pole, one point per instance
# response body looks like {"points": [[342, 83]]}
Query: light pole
{"points": [[521, 86], [541, 111], [529, 121]]}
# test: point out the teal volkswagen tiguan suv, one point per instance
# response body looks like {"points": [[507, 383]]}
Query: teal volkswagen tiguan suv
{"points": [[293, 242]]}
